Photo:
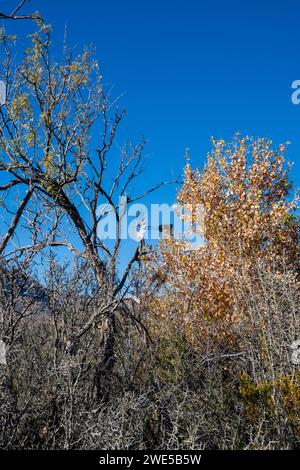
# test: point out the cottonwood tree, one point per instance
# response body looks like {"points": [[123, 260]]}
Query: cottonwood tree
{"points": [[250, 219], [60, 161]]}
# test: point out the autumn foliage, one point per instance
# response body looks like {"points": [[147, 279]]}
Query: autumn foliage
{"points": [[249, 221]]}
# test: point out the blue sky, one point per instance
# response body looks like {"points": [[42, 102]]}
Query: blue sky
{"points": [[190, 70]]}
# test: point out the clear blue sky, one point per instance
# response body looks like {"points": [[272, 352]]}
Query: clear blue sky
{"points": [[191, 70]]}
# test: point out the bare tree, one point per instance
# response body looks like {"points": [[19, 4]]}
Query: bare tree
{"points": [[57, 140], [17, 15]]}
